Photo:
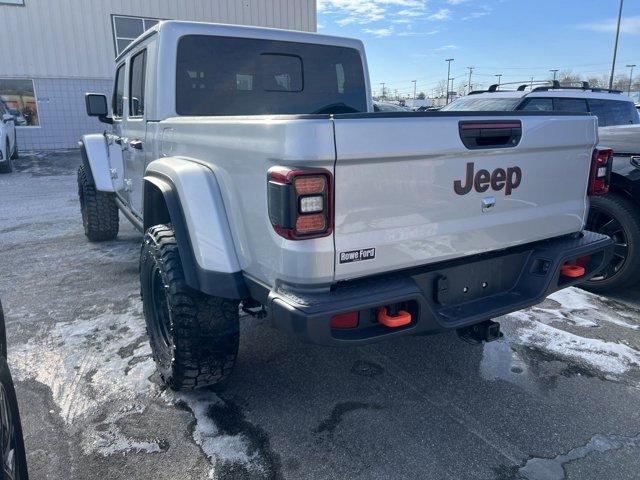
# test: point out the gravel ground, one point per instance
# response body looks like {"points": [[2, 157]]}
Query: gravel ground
{"points": [[556, 398]]}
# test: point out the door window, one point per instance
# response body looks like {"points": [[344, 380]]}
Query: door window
{"points": [[576, 105], [538, 105], [118, 93], [136, 84]]}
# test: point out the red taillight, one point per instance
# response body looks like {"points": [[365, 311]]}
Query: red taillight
{"points": [[600, 172], [300, 202]]}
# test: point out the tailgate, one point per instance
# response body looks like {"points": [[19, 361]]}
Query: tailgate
{"points": [[409, 192]]}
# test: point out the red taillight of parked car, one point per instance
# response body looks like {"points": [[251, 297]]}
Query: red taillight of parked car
{"points": [[600, 175], [300, 202]]}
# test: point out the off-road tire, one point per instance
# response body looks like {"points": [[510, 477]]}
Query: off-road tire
{"points": [[6, 166], [194, 337], [627, 215], [99, 210]]}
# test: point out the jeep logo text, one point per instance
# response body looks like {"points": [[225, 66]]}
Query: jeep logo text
{"points": [[483, 179]]}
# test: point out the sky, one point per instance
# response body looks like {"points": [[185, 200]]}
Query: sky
{"points": [[409, 40]]}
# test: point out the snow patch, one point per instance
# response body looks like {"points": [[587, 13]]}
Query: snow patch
{"points": [[585, 309], [220, 448], [90, 364], [82, 362], [607, 357]]}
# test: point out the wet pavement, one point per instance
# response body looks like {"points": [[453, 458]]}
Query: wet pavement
{"points": [[557, 398]]}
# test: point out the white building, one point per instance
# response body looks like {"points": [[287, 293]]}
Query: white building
{"points": [[53, 51]]}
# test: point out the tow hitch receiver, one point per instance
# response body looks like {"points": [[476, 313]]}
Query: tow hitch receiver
{"points": [[572, 271], [487, 331], [393, 317]]}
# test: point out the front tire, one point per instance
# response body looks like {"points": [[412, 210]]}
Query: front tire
{"points": [[194, 337], [7, 165], [99, 210], [13, 459], [618, 217]]}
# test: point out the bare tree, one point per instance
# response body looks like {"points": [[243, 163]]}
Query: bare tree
{"points": [[421, 96], [568, 78], [441, 88]]}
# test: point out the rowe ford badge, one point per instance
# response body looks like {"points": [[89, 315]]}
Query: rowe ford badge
{"points": [[358, 255]]}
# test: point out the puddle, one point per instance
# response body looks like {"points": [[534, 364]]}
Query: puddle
{"points": [[553, 468]]}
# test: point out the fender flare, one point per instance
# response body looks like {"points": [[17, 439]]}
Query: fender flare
{"points": [[217, 283], [95, 158]]}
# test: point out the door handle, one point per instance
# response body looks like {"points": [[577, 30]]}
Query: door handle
{"points": [[137, 144]]}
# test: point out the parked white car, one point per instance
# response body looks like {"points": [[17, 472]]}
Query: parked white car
{"points": [[254, 164], [8, 143]]}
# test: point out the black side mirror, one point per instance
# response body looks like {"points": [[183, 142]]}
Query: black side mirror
{"points": [[97, 107]]}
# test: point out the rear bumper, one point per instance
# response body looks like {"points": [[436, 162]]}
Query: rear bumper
{"points": [[443, 296]]}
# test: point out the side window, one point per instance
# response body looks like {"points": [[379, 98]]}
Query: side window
{"points": [[117, 103], [613, 112], [571, 105], [136, 84], [538, 105]]}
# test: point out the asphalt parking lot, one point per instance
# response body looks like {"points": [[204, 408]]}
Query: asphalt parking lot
{"points": [[557, 398]]}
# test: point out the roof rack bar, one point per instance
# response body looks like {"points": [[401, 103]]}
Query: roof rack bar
{"points": [[593, 89]]}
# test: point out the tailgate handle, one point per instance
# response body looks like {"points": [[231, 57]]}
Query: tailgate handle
{"points": [[490, 134]]}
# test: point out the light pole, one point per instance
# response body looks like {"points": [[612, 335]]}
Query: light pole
{"points": [[554, 71], [448, 60], [470, 72], [531, 83], [630, 78], [382, 90], [414, 90], [499, 75], [615, 47]]}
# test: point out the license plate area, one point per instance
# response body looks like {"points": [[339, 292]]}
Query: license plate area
{"points": [[472, 281]]}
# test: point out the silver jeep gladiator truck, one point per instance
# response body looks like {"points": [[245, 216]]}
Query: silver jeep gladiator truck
{"points": [[253, 162]]}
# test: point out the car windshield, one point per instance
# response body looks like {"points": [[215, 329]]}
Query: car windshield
{"points": [[389, 107], [482, 104]]}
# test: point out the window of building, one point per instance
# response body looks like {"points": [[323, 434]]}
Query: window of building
{"points": [[19, 98], [118, 93], [136, 85], [127, 29], [244, 76]]}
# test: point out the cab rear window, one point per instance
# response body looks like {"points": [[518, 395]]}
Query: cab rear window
{"points": [[237, 76]]}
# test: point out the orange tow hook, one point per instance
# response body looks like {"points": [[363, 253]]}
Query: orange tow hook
{"points": [[403, 318], [573, 271]]}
